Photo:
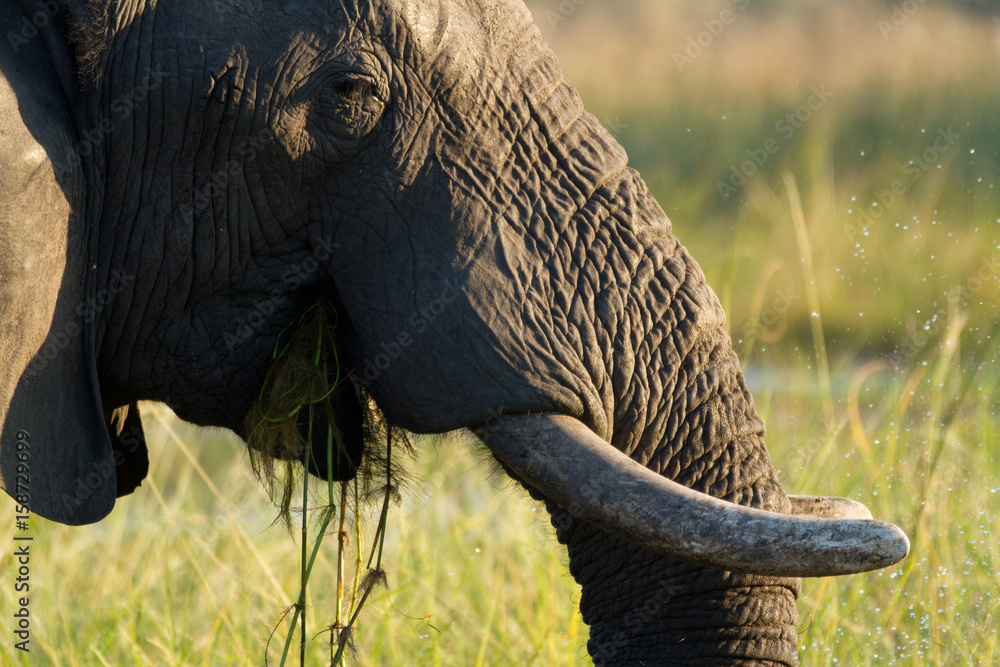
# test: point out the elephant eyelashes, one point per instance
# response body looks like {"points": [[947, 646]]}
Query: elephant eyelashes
{"points": [[351, 91], [331, 108], [354, 103], [329, 113]]}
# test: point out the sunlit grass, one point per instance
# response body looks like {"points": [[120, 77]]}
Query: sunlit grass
{"points": [[917, 445], [474, 571], [192, 577], [190, 571]]}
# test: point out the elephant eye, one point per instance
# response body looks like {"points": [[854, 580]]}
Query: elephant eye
{"points": [[334, 107], [351, 90], [354, 102]]}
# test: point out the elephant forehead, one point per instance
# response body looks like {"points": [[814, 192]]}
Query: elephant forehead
{"points": [[442, 34], [428, 22], [462, 36]]}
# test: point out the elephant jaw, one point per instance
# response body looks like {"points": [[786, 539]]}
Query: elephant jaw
{"points": [[570, 465]]}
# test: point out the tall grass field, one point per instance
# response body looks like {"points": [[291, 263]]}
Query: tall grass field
{"points": [[835, 169]]}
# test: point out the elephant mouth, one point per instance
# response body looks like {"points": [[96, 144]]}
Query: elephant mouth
{"points": [[307, 410], [572, 466]]}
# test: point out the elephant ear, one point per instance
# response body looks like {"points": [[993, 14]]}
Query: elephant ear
{"points": [[57, 453]]}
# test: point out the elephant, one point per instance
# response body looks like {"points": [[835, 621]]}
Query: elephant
{"points": [[181, 179]]}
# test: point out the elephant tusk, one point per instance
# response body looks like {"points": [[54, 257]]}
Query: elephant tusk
{"points": [[572, 466], [828, 507]]}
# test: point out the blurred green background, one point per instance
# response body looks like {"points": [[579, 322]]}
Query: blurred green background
{"points": [[690, 107], [835, 169]]}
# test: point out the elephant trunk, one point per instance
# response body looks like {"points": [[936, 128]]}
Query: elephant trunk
{"points": [[654, 556], [691, 422]]}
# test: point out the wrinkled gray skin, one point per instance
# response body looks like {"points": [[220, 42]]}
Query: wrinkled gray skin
{"points": [[425, 165]]}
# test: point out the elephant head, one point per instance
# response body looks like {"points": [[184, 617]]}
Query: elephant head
{"points": [[181, 179]]}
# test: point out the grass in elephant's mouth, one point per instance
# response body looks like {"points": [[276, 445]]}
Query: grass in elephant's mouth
{"points": [[298, 391]]}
